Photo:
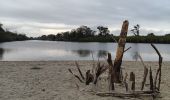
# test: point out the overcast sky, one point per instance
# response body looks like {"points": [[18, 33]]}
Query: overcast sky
{"points": [[37, 17]]}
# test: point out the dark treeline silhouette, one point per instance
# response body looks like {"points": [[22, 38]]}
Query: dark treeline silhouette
{"points": [[6, 36], [81, 34], [86, 34]]}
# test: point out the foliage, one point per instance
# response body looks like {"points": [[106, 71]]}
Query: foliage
{"points": [[135, 30], [6, 36], [85, 34]]}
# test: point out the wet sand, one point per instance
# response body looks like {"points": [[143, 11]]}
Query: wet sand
{"points": [[52, 81]]}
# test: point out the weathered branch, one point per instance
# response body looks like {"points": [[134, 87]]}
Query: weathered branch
{"points": [[109, 60], [75, 75], [111, 72], [89, 77], [93, 68], [151, 80], [132, 78], [130, 94], [79, 71], [159, 69], [100, 70], [125, 83], [127, 49], [115, 76], [145, 72]]}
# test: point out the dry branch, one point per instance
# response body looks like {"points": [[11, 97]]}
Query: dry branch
{"points": [[75, 75], [132, 78], [109, 60], [159, 69], [151, 80], [127, 49], [89, 77], [77, 65], [125, 83], [129, 94], [100, 70], [145, 72], [93, 68]]}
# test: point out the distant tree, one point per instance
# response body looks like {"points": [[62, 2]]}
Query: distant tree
{"points": [[1, 29], [151, 34], [51, 37], [43, 37], [135, 30], [103, 31], [59, 37], [66, 35], [84, 31], [167, 34]]}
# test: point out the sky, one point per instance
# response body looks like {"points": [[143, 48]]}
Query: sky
{"points": [[39, 17]]}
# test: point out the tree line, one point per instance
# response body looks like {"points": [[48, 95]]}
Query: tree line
{"points": [[7, 36], [86, 34]]}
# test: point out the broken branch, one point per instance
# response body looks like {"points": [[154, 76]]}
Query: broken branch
{"points": [[75, 75]]}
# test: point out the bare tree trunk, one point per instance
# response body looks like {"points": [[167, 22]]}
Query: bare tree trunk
{"points": [[115, 75]]}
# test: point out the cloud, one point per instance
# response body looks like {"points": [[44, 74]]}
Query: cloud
{"points": [[41, 16]]}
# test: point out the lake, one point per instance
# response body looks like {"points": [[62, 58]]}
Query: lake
{"points": [[35, 50]]}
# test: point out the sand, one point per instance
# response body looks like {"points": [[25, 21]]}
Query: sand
{"points": [[18, 81]]}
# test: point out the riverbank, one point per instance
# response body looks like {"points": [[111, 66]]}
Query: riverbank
{"points": [[52, 81]]}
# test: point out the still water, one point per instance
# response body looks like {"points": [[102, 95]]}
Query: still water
{"points": [[35, 50]]}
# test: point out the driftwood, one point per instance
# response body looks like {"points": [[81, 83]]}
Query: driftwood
{"points": [[127, 49], [145, 72], [151, 80], [79, 70], [76, 76], [132, 78], [93, 68], [115, 74], [100, 70], [125, 83], [130, 94], [159, 69], [89, 77], [109, 60]]}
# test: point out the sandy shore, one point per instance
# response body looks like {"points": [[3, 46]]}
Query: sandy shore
{"points": [[18, 81]]}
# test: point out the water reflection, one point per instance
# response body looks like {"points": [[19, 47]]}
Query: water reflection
{"points": [[135, 52], [86, 53], [49, 50], [1, 53], [82, 53], [102, 53]]}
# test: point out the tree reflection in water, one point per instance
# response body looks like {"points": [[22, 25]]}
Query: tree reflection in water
{"points": [[135, 52], [102, 53], [86, 53], [82, 53], [1, 53]]}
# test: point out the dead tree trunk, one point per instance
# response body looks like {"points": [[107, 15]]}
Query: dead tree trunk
{"points": [[115, 74]]}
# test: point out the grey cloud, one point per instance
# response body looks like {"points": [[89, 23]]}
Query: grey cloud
{"points": [[111, 13]]}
